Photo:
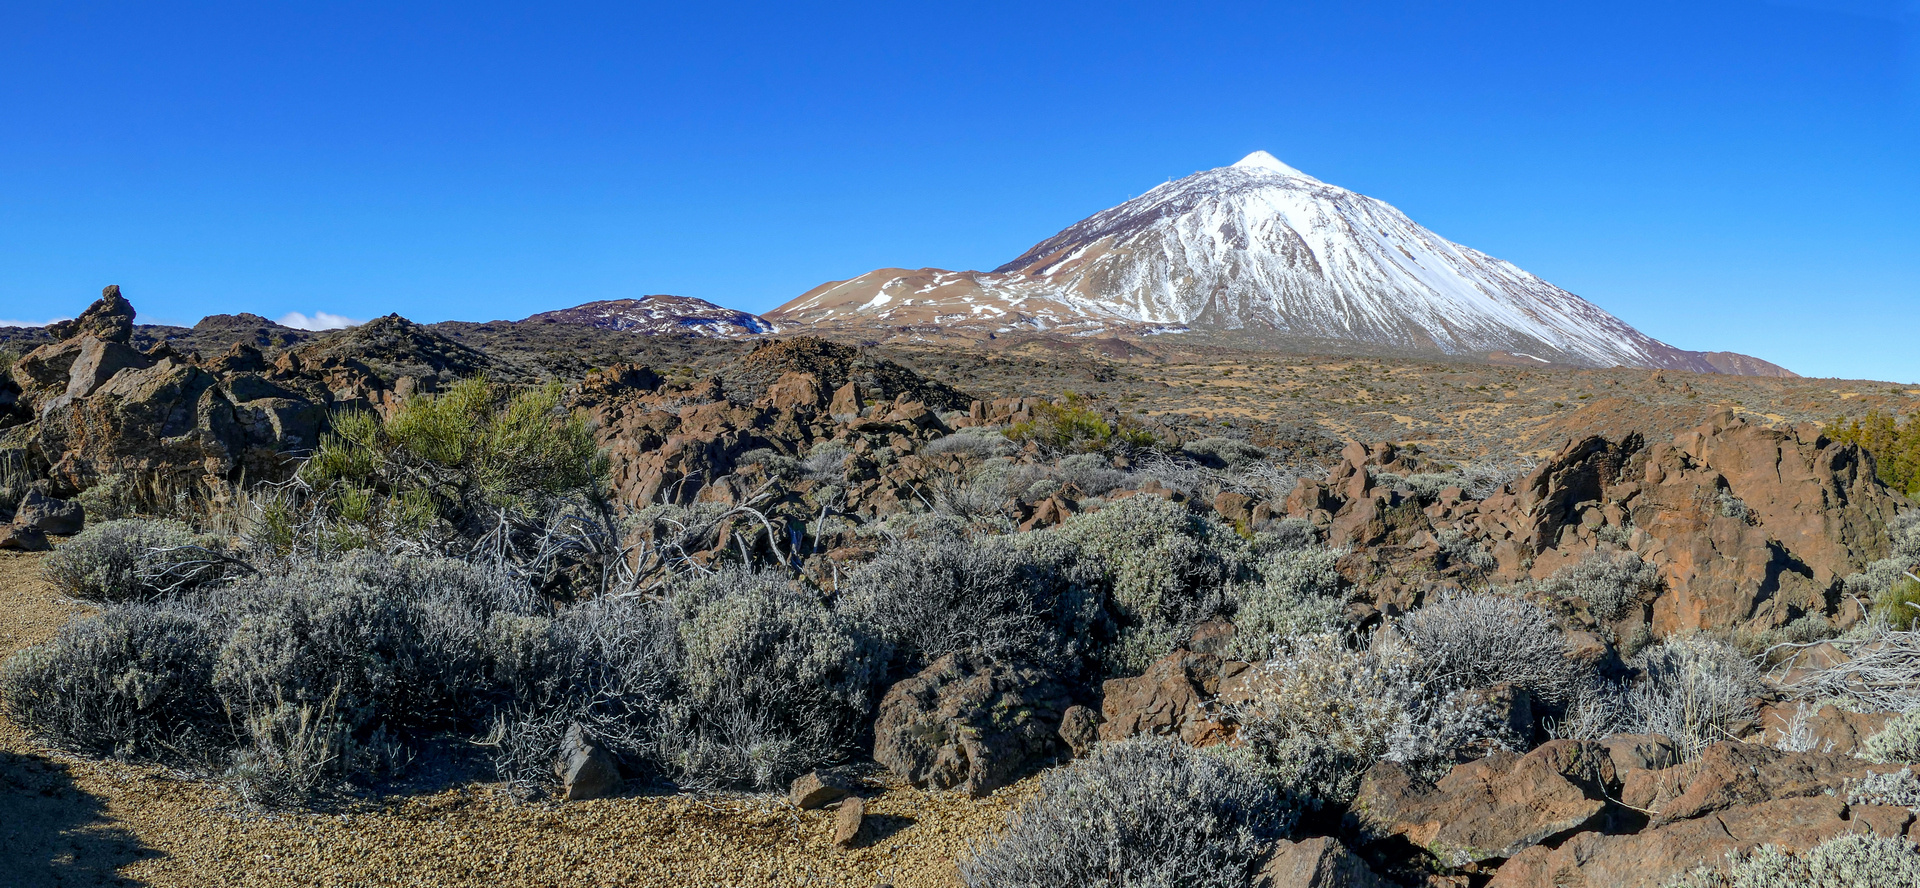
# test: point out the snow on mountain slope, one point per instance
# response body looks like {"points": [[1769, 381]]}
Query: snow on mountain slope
{"points": [[1261, 246], [661, 314]]}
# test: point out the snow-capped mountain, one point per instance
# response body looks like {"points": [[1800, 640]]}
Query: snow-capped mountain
{"points": [[1260, 246], [661, 314]]}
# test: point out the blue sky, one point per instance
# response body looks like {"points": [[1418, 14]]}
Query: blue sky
{"points": [[1723, 175]]}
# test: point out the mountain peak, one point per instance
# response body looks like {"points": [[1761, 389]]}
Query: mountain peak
{"points": [[1261, 160]]}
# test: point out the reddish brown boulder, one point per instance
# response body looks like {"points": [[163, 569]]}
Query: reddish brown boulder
{"points": [[817, 789], [1491, 808], [1174, 697], [1640, 752], [1234, 507], [1321, 862], [846, 403], [794, 391], [1079, 730]]}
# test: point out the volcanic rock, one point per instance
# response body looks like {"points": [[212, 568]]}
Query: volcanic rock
{"points": [[968, 722]]}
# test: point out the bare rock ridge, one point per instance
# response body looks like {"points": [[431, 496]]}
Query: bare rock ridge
{"points": [[660, 314], [1261, 247]]}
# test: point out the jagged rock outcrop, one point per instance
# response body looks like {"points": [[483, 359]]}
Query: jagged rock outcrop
{"points": [[683, 443], [1751, 527]]}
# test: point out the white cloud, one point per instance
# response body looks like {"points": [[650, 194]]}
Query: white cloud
{"points": [[6, 323], [319, 320]]}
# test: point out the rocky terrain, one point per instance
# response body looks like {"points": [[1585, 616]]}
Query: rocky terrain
{"points": [[1469, 623]]}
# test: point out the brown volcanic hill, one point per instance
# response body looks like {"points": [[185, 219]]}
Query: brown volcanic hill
{"points": [[393, 347], [660, 314]]}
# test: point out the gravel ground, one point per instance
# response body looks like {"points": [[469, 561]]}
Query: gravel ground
{"points": [[66, 820]]}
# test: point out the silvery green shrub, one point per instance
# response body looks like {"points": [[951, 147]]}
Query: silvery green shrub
{"points": [[1480, 640], [931, 596], [135, 681], [1161, 567], [1298, 592], [1145, 811], [772, 681], [134, 559], [1896, 741]]}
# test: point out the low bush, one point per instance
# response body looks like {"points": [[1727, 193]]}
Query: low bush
{"points": [[1320, 713], [321, 671], [610, 665], [1139, 812], [1899, 604], [1090, 473], [134, 682], [1476, 641], [1286, 534], [1898, 788], [443, 471], [1693, 689], [1073, 426], [1611, 585], [933, 596], [1162, 569], [981, 441], [1883, 575], [1222, 453], [135, 559], [774, 682], [1462, 549], [826, 461], [1852, 860], [1298, 592]]}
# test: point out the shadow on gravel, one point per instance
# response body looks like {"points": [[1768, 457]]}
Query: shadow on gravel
{"points": [[880, 827], [52, 833]]}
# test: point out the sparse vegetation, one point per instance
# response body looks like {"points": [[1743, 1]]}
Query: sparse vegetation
{"points": [[1611, 585], [1897, 741]]}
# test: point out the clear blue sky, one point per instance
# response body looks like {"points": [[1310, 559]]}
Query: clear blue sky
{"points": [[1724, 175]]}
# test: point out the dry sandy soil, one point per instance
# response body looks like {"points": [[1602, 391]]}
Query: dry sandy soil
{"points": [[66, 820]]}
